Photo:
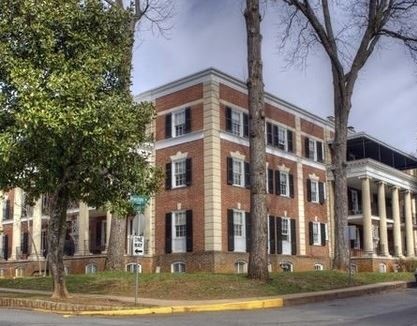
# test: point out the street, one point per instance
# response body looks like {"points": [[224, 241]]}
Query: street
{"points": [[395, 308]]}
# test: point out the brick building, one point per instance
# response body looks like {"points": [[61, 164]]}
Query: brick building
{"points": [[200, 221]]}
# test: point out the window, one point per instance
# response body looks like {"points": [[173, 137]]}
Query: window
{"points": [[178, 267], [237, 122], [318, 267], [238, 225], [357, 241], [2, 273], [18, 272], [241, 267], [6, 210], [353, 268], [314, 191], [180, 224], [316, 234], [285, 235], [179, 173], [287, 266], [313, 149], [91, 269], [279, 136], [284, 184], [133, 267], [178, 125], [282, 138], [382, 268], [238, 173]]}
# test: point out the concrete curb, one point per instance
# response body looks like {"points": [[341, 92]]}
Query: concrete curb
{"points": [[245, 305]]}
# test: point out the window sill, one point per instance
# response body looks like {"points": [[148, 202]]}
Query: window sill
{"points": [[178, 187]]}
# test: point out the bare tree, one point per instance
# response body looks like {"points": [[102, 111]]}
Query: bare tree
{"points": [[258, 255], [153, 15], [348, 32]]}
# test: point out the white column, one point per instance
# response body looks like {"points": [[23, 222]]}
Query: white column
{"points": [[83, 230], [37, 230], [368, 245], [108, 228], [1, 225], [17, 223], [409, 236], [382, 211], [397, 223]]}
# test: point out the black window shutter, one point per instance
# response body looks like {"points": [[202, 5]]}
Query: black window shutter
{"points": [[277, 183], [168, 176], [6, 247], [279, 235], [248, 227], [229, 171], [230, 231], [245, 125], [275, 135], [228, 119], [360, 200], [350, 202], [25, 243], [247, 175], [310, 231], [290, 146], [272, 235], [308, 190], [188, 120], [168, 125], [270, 181], [306, 147], [7, 210], [291, 181], [319, 146], [323, 234], [321, 192], [168, 233], [188, 172], [269, 133], [189, 232], [293, 237]]}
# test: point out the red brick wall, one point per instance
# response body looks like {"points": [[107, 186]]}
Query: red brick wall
{"points": [[312, 129], [180, 97]]}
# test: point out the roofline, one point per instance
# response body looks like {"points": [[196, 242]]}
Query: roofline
{"points": [[364, 134], [205, 74]]}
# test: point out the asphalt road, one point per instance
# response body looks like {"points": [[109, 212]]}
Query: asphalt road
{"points": [[395, 309]]}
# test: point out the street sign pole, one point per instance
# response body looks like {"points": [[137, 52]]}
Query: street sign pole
{"points": [[138, 249], [137, 280]]}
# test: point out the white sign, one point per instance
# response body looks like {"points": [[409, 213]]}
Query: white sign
{"points": [[138, 245]]}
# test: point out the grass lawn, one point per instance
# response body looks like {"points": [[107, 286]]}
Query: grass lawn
{"points": [[205, 285]]}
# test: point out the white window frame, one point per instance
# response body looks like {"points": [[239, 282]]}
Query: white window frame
{"points": [[317, 234], [174, 124], [179, 231], [91, 268], [284, 175], [2, 273], [318, 267], [239, 237], [289, 264], [285, 231], [19, 272], [178, 264], [241, 163], [241, 267], [174, 173], [239, 125], [314, 184], [382, 268], [357, 241], [131, 267], [282, 140], [312, 148]]}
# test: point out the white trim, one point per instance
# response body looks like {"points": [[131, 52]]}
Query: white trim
{"points": [[174, 141], [178, 263], [179, 156], [318, 243], [237, 155]]}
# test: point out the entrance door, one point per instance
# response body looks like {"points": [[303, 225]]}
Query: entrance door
{"points": [[286, 236]]}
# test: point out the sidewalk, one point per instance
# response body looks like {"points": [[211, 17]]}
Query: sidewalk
{"points": [[161, 306]]}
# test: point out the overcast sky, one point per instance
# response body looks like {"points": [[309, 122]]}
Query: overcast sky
{"points": [[211, 33]]}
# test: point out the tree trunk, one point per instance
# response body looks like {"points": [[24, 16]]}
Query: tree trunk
{"points": [[342, 104], [57, 228], [258, 255], [115, 260]]}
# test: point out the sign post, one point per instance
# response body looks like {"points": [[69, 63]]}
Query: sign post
{"points": [[138, 246], [350, 234]]}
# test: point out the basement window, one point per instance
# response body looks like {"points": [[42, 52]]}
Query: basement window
{"points": [[318, 267], [18, 272], [132, 267], [91, 269], [178, 267], [241, 267], [1, 273], [382, 268], [287, 266]]}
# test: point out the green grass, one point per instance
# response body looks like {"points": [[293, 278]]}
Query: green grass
{"points": [[205, 285]]}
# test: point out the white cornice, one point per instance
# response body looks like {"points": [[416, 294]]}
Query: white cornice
{"points": [[174, 141]]}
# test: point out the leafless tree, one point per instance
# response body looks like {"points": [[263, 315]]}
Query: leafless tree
{"points": [[258, 255], [153, 15], [348, 32]]}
